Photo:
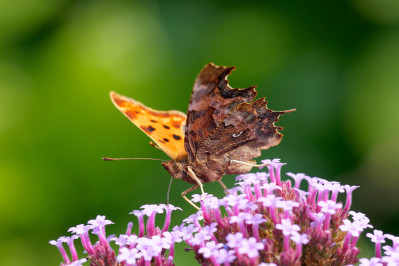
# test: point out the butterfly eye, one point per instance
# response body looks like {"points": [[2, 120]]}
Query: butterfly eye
{"points": [[235, 135]]}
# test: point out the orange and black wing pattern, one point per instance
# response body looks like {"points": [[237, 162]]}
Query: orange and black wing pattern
{"points": [[165, 128]]}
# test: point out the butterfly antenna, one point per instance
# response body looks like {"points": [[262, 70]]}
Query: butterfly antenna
{"points": [[121, 159], [250, 164]]}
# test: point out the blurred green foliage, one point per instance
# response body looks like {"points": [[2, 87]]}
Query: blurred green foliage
{"points": [[337, 62]]}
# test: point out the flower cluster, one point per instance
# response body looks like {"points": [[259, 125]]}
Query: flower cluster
{"points": [[261, 221], [149, 245], [265, 219]]}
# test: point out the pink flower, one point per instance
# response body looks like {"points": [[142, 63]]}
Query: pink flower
{"points": [[262, 221]]}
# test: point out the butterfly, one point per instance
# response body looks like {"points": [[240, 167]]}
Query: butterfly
{"points": [[223, 131]]}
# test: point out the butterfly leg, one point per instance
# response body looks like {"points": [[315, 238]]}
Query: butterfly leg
{"points": [[223, 186], [250, 164], [222, 173], [193, 176], [184, 193]]}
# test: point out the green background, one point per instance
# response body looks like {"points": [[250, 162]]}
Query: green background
{"points": [[336, 62]]}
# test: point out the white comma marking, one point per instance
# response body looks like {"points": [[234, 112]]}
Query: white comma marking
{"points": [[237, 135]]}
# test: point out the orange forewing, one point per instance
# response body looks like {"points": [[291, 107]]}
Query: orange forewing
{"points": [[165, 128]]}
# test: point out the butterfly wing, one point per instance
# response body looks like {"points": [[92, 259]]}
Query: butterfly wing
{"points": [[211, 100], [165, 128], [223, 124]]}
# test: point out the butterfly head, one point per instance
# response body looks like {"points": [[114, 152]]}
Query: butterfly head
{"points": [[177, 169]]}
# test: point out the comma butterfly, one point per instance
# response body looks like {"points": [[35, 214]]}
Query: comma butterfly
{"points": [[221, 134]]}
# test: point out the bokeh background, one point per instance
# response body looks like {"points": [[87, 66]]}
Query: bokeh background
{"points": [[337, 62]]}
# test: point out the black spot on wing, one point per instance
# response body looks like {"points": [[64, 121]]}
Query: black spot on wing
{"points": [[166, 127], [166, 140], [176, 137], [154, 121], [148, 129]]}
